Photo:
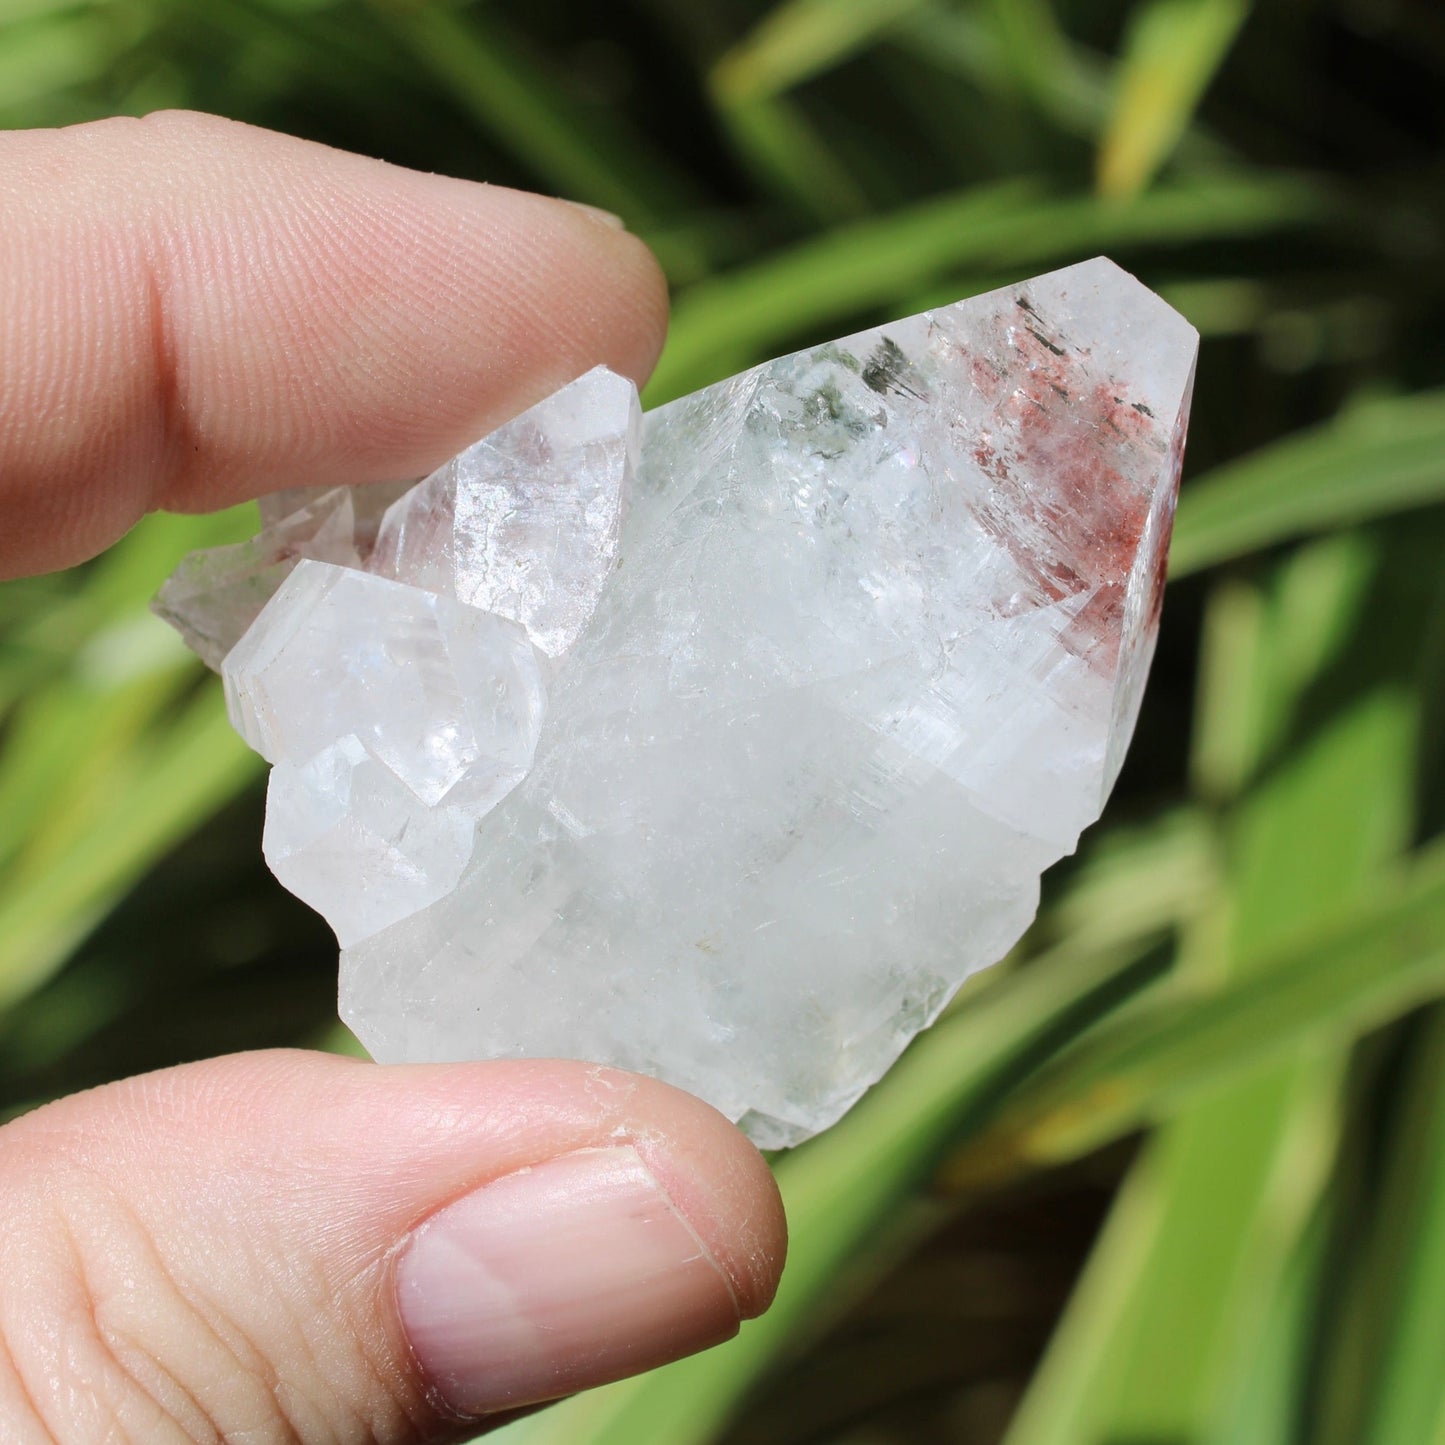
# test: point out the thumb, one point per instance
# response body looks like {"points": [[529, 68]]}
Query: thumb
{"points": [[286, 1246]]}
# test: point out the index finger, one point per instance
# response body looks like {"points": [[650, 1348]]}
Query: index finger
{"points": [[193, 312]]}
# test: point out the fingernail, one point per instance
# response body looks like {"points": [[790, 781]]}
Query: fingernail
{"points": [[598, 214], [557, 1278]]}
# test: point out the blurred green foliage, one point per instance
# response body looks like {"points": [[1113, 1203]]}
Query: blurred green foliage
{"points": [[1211, 1082]]}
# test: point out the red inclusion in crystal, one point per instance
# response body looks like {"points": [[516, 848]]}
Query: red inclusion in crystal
{"points": [[1070, 461]]}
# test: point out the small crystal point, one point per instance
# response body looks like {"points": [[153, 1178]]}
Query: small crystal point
{"points": [[390, 742], [217, 593], [347, 836], [863, 661], [526, 522]]}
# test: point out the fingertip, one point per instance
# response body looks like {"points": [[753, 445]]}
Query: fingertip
{"points": [[638, 278], [726, 1189], [197, 312], [649, 1234]]}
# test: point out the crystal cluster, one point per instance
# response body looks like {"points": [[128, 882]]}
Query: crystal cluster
{"points": [[723, 743]]}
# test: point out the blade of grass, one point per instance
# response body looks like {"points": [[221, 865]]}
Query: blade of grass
{"points": [[169, 781], [1172, 50], [63, 744], [15, 12], [1072, 92], [115, 586], [1131, 884], [1376, 458], [789, 157], [1399, 1286], [1191, 1241], [1032, 49], [50, 54], [796, 40], [101, 771], [1387, 959], [1265, 1406], [1240, 720]]}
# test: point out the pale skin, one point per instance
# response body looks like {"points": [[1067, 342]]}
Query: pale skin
{"points": [[193, 313]]}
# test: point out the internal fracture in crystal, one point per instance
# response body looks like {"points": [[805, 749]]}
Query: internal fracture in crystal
{"points": [[725, 747]]}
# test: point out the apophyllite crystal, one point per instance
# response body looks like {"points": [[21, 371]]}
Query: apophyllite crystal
{"points": [[724, 746]]}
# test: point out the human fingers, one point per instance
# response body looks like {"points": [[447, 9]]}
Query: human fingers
{"points": [[194, 311], [286, 1246]]}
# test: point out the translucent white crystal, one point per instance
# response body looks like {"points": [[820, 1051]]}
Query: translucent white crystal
{"points": [[344, 833], [396, 718], [865, 663], [368, 505], [216, 594], [525, 523], [856, 683]]}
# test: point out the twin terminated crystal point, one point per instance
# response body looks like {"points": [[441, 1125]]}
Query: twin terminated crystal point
{"points": [[723, 743]]}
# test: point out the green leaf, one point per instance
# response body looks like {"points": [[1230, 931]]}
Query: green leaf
{"points": [[52, 54], [1033, 50], [1333, 985], [109, 825], [1180, 1278], [788, 156], [1389, 1361], [1261, 653], [112, 590], [1374, 459], [1070, 87], [1172, 50], [1265, 1397], [796, 40], [106, 762]]}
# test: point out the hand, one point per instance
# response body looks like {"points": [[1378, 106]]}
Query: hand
{"points": [[283, 1246]]}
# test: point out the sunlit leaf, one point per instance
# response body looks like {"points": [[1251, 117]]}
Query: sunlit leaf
{"points": [[1333, 986], [797, 39], [1171, 52], [1377, 458], [1389, 1386]]}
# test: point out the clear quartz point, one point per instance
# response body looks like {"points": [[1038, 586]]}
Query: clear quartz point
{"points": [[347, 835], [860, 661], [395, 719], [526, 522], [216, 594]]}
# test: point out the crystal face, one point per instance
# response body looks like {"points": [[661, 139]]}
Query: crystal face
{"points": [[388, 743], [858, 661], [526, 523], [215, 595]]}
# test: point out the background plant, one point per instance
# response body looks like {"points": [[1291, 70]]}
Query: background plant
{"points": [[1174, 1175]]}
